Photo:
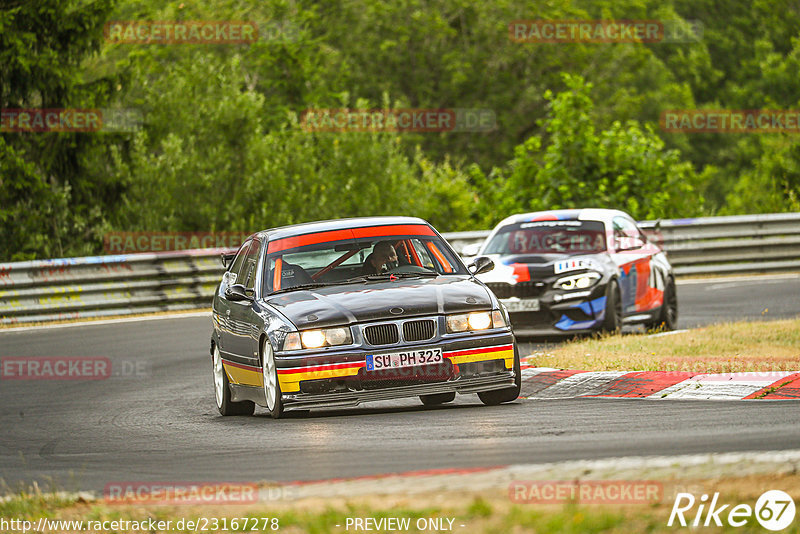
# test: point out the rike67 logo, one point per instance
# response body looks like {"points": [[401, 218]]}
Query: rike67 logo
{"points": [[774, 510]]}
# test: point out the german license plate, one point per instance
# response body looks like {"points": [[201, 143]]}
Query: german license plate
{"points": [[407, 358], [521, 305]]}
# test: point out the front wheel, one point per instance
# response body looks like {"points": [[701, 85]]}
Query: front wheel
{"points": [[438, 398], [499, 396], [222, 391], [272, 388], [612, 322]]}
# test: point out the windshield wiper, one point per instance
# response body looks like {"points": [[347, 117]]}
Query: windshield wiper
{"points": [[388, 276], [302, 286]]}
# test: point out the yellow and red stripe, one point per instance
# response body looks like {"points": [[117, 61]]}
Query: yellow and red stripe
{"points": [[290, 377], [246, 375], [481, 354]]}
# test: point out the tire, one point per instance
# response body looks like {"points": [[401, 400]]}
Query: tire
{"points": [[668, 315], [438, 398], [612, 322], [272, 388], [222, 390], [499, 396]]}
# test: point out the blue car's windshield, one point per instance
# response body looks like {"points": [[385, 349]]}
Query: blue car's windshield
{"points": [[549, 237]]}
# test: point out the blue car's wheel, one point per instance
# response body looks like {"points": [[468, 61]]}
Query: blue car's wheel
{"points": [[668, 314], [613, 316]]}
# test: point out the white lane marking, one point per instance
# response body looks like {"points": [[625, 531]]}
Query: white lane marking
{"points": [[782, 458], [723, 386], [533, 371], [686, 467], [107, 321], [724, 279], [581, 384], [670, 333]]}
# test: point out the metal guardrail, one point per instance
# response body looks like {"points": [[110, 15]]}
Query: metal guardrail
{"points": [[70, 288], [713, 245]]}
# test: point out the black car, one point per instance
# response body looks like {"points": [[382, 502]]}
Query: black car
{"points": [[578, 271], [337, 313]]}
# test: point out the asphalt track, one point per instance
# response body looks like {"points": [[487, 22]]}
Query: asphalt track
{"points": [[158, 422]]}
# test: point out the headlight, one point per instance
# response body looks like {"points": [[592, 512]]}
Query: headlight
{"points": [[464, 322], [314, 339], [577, 281]]}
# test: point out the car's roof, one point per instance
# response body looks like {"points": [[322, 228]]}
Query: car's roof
{"points": [[335, 224], [582, 214]]}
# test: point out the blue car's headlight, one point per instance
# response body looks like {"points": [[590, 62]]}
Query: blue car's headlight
{"points": [[577, 281]]}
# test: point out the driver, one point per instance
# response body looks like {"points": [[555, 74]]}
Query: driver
{"points": [[383, 257]]}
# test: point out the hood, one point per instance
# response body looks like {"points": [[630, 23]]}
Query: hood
{"points": [[371, 301], [525, 267]]}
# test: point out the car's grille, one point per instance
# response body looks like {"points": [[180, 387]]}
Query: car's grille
{"points": [[520, 290], [382, 334], [419, 330], [405, 376]]}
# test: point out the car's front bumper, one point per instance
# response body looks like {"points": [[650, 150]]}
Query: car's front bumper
{"points": [[560, 313], [471, 363], [305, 401]]}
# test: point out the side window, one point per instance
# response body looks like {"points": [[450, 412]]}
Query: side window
{"points": [[627, 235], [248, 272], [236, 266], [423, 255]]}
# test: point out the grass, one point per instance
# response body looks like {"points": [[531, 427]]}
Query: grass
{"points": [[721, 348], [487, 511]]}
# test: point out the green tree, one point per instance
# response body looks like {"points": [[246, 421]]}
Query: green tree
{"points": [[53, 200], [624, 166]]}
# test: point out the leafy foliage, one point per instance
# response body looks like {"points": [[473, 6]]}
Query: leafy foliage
{"points": [[220, 146]]}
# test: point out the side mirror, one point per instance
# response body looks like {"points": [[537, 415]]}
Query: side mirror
{"points": [[482, 264], [628, 243], [227, 258], [468, 251], [237, 293]]}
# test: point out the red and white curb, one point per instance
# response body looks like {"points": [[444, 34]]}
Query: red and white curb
{"points": [[548, 383]]}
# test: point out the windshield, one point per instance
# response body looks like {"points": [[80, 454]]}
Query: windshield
{"points": [[549, 237], [329, 258]]}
